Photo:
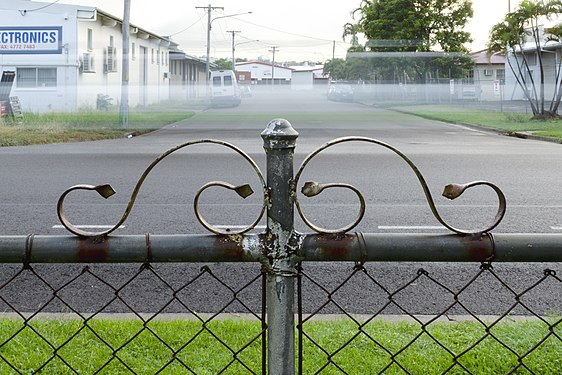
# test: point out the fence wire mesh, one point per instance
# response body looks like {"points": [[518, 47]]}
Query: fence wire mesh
{"points": [[363, 318], [145, 320], [487, 323]]}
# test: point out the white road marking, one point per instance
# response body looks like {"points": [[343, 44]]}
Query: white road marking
{"points": [[88, 226], [411, 227], [237, 226], [556, 228]]}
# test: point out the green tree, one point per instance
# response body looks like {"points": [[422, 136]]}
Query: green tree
{"points": [[521, 36], [424, 25], [394, 27], [223, 64], [336, 68], [350, 29]]}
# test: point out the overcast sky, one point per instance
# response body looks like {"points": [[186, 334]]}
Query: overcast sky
{"points": [[300, 30]]}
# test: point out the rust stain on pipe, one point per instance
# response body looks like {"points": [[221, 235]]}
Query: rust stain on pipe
{"points": [[93, 250], [230, 245], [478, 250], [336, 246]]}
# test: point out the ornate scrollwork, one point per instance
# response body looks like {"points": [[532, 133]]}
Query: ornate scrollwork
{"points": [[106, 191], [451, 191]]}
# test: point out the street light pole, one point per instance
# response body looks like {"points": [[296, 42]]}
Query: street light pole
{"points": [[209, 9], [273, 49], [125, 32], [233, 33], [210, 20]]}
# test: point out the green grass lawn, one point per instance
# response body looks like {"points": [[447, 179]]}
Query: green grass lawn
{"points": [[83, 126], [507, 122], [234, 345]]}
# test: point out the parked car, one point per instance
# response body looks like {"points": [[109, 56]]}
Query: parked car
{"points": [[245, 91], [341, 91], [224, 89]]}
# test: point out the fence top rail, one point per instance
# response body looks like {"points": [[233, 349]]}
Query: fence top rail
{"points": [[358, 247]]}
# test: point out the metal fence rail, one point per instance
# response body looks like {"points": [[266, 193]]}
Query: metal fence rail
{"points": [[280, 271]]}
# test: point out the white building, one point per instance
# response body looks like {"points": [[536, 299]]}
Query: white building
{"points": [[549, 54], [488, 74], [306, 77], [64, 56], [263, 73], [187, 76]]}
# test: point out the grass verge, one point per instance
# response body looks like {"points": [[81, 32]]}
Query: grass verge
{"points": [[124, 346], [83, 126], [505, 122]]}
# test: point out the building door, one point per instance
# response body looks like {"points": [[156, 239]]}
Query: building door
{"points": [[143, 79]]}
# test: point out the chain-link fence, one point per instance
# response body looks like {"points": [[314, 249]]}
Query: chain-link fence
{"points": [[143, 319], [351, 318], [468, 323]]}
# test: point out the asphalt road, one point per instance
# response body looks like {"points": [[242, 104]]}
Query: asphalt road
{"points": [[527, 171]]}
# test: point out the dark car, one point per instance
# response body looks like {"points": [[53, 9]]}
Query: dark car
{"points": [[341, 92]]}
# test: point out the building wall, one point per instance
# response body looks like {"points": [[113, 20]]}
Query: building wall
{"points": [[57, 93], [489, 79], [76, 87], [261, 72], [149, 64], [187, 78], [302, 80]]}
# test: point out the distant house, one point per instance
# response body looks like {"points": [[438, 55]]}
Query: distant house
{"points": [[306, 77], [65, 56], [263, 73], [551, 55], [187, 76], [488, 74]]}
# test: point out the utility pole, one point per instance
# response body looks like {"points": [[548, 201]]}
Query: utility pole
{"points": [[333, 49], [125, 31], [273, 49], [209, 9], [233, 33]]}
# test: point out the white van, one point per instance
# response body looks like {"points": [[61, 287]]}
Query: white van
{"points": [[224, 88]]}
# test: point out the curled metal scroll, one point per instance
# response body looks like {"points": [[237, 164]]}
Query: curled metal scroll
{"points": [[106, 191], [451, 191]]}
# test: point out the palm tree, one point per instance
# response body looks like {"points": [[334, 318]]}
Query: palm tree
{"points": [[352, 29], [513, 36]]}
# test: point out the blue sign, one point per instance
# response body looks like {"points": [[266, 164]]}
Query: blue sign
{"points": [[31, 40]]}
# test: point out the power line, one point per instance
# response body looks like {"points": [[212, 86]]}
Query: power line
{"points": [[24, 11], [284, 32], [187, 28]]}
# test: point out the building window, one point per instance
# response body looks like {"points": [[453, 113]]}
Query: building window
{"points": [[36, 77], [90, 39], [158, 57], [500, 75], [133, 53], [469, 78], [152, 55]]}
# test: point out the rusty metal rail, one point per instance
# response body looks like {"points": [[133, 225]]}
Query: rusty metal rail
{"points": [[358, 247], [280, 249]]}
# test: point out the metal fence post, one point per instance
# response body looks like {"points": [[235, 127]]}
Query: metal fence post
{"points": [[279, 144]]}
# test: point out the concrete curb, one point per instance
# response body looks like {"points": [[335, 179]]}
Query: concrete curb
{"points": [[523, 135], [529, 135]]}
